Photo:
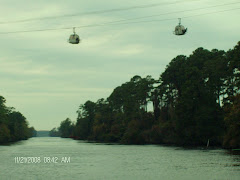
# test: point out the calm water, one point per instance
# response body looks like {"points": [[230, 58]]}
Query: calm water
{"points": [[109, 162]]}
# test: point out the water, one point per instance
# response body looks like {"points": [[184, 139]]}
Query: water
{"points": [[110, 162]]}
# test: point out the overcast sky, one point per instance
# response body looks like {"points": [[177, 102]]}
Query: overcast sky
{"points": [[46, 78]]}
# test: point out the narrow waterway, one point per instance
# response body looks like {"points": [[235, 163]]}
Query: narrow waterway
{"points": [[55, 158]]}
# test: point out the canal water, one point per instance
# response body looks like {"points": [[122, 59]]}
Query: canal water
{"points": [[47, 158]]}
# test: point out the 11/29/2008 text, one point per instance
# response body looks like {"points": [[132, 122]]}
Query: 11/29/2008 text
{"points": [[35, 160]]}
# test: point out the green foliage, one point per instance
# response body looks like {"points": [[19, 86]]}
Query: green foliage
{"points": [[133, 134], [132, 96], [32, 132], [188, 101], [54, 132], [13, 125], [5, 135], [66, 128], [107, 120], [3, 111], [232, 121], [192, 89], [18, 126]]}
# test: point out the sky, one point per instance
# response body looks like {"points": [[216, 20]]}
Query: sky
{"points": [[46, 78]]}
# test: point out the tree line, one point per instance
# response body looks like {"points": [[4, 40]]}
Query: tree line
{"points": [[13, 125], [195, 100]]}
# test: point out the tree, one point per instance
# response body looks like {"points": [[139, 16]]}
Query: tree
{"points": [[18, 126], [3, 110], [188, 100], [54, 132], [84, 125], [190, 88], [232, 81], [5, 135], [13, 125], [66, 128], [232, 121]]}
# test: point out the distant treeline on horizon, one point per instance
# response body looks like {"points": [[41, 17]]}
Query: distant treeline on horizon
{"points": [[42, 133], [195, 100]]}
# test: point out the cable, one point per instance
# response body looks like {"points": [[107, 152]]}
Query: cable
{"points": [[210, 13], [104, 24], [136, 22], [144, 17], [97, 12]]}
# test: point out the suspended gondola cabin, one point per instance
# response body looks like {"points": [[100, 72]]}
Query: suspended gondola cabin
{"points": [[74, 38], [180, 29]]}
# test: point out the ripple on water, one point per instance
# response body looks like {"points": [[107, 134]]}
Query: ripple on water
{"points": [[107, 161]]}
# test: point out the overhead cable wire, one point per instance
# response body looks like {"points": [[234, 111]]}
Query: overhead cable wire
{"points": [[156, 15], [203, 14], [169, 19], [189, 10], [97, 12], [105, 24]]}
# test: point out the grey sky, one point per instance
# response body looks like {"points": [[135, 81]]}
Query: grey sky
{"points": [[46, 79]]}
